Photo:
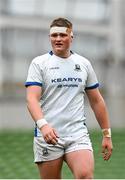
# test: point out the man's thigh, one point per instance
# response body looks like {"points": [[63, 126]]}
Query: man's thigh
{"points": [[51, 169], [81, 163]]}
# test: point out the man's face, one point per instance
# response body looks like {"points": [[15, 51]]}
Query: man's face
{"points": [[61, 42]]}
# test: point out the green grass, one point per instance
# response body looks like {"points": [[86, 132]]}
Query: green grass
{"points": [[16, 156]]}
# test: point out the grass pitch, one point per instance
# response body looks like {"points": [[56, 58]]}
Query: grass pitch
{"points": [[16, 156]]}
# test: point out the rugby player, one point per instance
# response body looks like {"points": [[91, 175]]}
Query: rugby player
{"points": [[56, 85]]}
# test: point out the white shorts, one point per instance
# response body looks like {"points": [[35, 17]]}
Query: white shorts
{"points": [[46, 152]]}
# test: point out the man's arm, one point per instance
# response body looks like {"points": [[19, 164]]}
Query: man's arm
{"points": [[98, 106], [33, 96]]}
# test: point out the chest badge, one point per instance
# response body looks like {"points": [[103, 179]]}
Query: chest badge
{"points": [[77, 67]]}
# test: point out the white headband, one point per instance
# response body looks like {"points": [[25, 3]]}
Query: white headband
{"points": [[57, 29]]}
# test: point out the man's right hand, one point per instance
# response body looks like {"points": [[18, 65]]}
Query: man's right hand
{"points": [[49, 134]]}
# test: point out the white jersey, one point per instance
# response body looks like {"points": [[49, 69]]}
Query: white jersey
{"points": [[63, 82]]}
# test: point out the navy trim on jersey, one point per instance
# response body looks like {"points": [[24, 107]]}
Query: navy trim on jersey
{"points": [[51, 53], [92, 87], [35, 131], [33, 84]]}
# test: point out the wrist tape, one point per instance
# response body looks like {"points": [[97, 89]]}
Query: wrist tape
{"points": [[106, 132], [41, 122]]}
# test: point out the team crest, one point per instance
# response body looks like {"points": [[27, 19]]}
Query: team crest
{"points": [[45, 152]]}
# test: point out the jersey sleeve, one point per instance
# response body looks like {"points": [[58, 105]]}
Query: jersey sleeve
{"points": [[92, 81], [34, 75]]}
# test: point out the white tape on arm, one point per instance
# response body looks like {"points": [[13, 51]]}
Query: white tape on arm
{"points": [[41, 122], [106, 132]]}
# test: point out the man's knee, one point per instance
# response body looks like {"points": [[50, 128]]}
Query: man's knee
{"points": [[84, 174]]}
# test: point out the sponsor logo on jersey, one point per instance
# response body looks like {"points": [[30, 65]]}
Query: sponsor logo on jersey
{"points": [[67, 85], [69, 79], [54, 68]]}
